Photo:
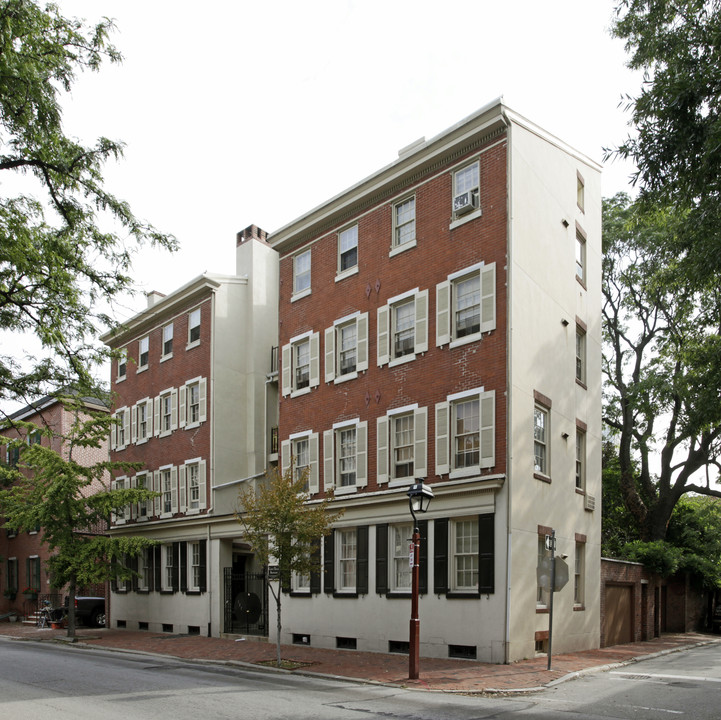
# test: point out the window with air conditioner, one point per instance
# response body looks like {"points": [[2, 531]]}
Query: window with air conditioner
{"points": [[466, 190]]}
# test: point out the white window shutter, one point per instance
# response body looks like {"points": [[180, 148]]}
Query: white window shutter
{"points": [[173, 489], [157, 489], [182, 489], [328, 460], [329, 354], [126, 426], [361, 458], [488, 429], [202, 489], [314, 360], [203, 399], [421, 342], [313, 458], [383, 334], [285, 456], [174, 409], [182, 392], [362, 339], [382, 449], [443, 313], [134, 424], [488, 298], [156, 416], [113, 433], [442, 438], [285, 370], [420, 449]]}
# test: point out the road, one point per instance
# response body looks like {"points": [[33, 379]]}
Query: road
{"points": [[73, 683]]}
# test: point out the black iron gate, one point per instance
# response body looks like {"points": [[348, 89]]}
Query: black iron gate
{"points": [[245, 601]]}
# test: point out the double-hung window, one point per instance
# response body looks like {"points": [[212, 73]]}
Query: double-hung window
{"points": [[142, 421], [581, 354], [120, 514], [466, 305], [120, 433], [541, 436], [192, 400], [302, 450], [580, 256], [194, 566], [346, 348], [191, 481], [347, 555], [401, 444], [143, 352], [167, 341], [122, 364], [403, 328], [12, 574], [464, 543], [465, 433], [166, 484], [301, 274], [194, 327], [466, 190], [347, 251], [404, 223], [345, 456], [400, 537], [166, 413], [579, 595], [580, 459], [144, 508], [301, 364], [168, 575]]}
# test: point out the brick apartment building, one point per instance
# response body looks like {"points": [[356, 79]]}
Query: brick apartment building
{"points": [[196, 401], [24, 554], [441, 320]]}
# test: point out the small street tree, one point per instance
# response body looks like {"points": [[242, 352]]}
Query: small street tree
{"points": [[54, 491], [285, 529]]}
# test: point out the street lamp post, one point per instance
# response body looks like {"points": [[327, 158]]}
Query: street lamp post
{"points": [[419, 498]]}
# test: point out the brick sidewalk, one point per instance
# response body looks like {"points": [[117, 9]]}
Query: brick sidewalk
{"points": [[436, 674]]}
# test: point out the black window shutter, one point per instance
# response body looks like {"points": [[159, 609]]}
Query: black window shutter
{"points": [[176, 565], [183, 567], [486, 554], [128, 563], [329, 562], [382, 558], [203, 565], [440, 556], [134, 567], [361, 566], [157, 567], [423, 560], [315, 570], [114, 579]]}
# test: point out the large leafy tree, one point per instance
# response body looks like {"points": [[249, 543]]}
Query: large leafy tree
{"points": [[676, 119], [284, 529], [660, 365], [59, 493], [65, 240]]}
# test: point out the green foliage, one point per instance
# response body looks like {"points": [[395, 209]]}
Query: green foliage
{"points": [[618, 526], [658, 556], [676, 118], [65, 241]]}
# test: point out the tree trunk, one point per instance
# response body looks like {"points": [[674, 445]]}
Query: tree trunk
{"points": [[72, 589], [279, 626]]}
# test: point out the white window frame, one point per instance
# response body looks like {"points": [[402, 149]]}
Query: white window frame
{"points": [[193, 555], [581, 355], [461, 186], [166, 580], [287, 451], [120, 433], [198, 467], [143, 349], [333, 347], [166, 348], [143, 510], [144, 565], [121, 515], [167, 476], [347, 244], [346, 559], [194, 317], [122, 364], [186, 405], [399, 537], [142, 406], [463, 554], [579, 575], [289, 361], [580, 246], [160, 427], [402, 224], [331, 461], [542, 440], [580, 459], [385, 445], [387, 330], [446, 433], [299, 275]]}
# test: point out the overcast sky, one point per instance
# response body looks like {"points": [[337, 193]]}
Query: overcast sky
{"points": [[254, 112]]}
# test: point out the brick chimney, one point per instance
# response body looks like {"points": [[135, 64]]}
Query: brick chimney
{"points": [[252, 231]]}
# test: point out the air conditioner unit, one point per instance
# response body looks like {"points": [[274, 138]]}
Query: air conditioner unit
{"points": [[589, 502], [465, 202]]}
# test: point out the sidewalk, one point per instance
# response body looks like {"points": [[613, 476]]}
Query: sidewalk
{"points": [[435, 674]]}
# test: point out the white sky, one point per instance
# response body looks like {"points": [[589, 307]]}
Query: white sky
{"points": [[245, 112]]}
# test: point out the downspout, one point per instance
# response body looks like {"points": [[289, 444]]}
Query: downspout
{"points": [[211, 475]]}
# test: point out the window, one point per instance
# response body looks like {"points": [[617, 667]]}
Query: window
{"points": [[345, 456], [119, 514], [142, 421], [193, 398], [401, 442], [122, 363], [542, 593], [192, 485], [580, 355], [346, 348], [465, 433], [578, 574], [142, 509], [167, 341], [346, 573], [580, 459], [301, 273], [540, 440], [120, 433], [402, 446], [348, 249], [303, 447], [12, 574], [168, 577], [464, 543], [404, 223], [466, 305], [166, 412], [167, 491], [403, 328], [167, 486], [33, 572], [301, 365], [194, 566], [580, 193], [580, 256], [144, 565], [194, 327], [143, 352], [466, 190], [401, 536]]}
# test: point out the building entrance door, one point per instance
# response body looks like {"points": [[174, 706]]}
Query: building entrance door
{"points": [[245, 600]]}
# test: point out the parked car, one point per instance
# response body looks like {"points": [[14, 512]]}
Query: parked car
{"points": [[89, 610], [716, 619]]}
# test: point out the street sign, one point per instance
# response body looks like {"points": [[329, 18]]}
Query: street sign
{"points": [[561, 574], [273, 572], [543, 574]]}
